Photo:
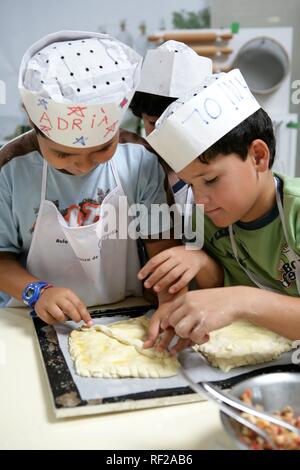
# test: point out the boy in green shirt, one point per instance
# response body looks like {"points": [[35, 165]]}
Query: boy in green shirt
{"points": [[251, 215]]}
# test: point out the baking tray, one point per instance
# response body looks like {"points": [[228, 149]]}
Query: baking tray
{"points": [[65, 395]]}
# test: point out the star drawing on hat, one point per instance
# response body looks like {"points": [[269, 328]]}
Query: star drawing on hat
{"points": [[80, 140], [43, 102], [45, 129], [78, 110]]}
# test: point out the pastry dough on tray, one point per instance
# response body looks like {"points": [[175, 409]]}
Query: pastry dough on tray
{"points": [[242, 343], [116, 350]]}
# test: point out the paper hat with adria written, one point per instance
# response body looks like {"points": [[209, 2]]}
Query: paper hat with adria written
{"points": [[76, 86], [172, 69], [192, 124]]}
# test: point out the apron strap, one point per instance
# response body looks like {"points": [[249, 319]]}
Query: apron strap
{"points": [[262, 284], [252, 276], [188, 210], [188, 235]]}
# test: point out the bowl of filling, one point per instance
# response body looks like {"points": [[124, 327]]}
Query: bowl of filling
{"points": [[276, 393]]}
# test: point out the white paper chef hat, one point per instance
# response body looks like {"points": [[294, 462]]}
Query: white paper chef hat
{"points": [[172, 69], [192, 124], [76, 86]]}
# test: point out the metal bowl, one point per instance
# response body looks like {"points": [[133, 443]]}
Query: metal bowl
{"points": [[273, 391]]}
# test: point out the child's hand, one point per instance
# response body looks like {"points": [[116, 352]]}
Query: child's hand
{"points": [[58, 304], [171, 265], [155, 327], [195, 314]]}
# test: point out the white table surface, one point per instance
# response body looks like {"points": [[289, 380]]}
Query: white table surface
{"points": [[28, 422]]}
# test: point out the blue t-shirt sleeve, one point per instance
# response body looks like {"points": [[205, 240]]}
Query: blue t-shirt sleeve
{"points": [[9, 235]]}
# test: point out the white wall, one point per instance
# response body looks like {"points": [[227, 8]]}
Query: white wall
{"points": [[24, 22]]}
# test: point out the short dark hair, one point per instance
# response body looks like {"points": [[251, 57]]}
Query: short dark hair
{"points": [[257, 126], [153, 105]]}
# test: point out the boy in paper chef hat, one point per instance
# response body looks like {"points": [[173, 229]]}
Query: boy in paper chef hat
{"points": [[75, 86], [222, 143]]}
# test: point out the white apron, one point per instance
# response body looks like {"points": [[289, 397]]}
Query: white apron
{"points": [[262, 284], [98, 270], [180, 196]]}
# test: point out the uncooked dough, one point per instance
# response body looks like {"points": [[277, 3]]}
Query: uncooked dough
{"points": [[116, 350], [242, 343]]}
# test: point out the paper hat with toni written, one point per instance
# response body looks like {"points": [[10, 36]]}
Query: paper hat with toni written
{"points": [[172, 69], [76, 86], [193, 123]]}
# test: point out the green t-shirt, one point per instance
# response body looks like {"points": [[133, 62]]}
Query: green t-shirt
{"points": [[261, 244]]}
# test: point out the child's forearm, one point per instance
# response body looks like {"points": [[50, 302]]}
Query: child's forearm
{"points": [[211, 274], [13, 277], [279, 313]]}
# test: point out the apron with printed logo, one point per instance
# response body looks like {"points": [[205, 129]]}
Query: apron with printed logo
{"points": [[93, 262]]}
